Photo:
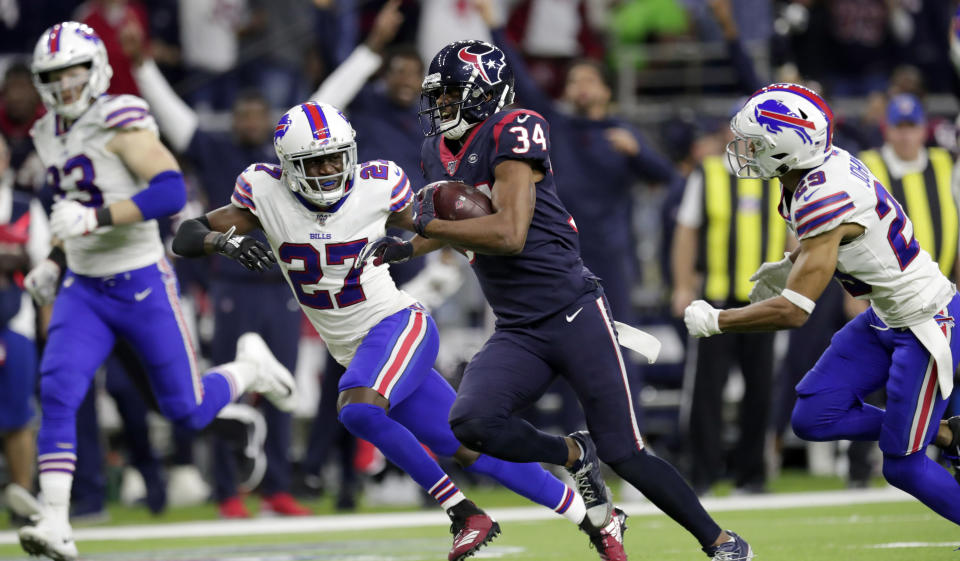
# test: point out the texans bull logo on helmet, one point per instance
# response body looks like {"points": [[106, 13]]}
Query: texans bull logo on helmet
{"points": [[485, 59], [773, 115]]}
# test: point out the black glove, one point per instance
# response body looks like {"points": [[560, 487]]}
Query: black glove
{"points": [[249, 252], [389, 249], [423, 211]]}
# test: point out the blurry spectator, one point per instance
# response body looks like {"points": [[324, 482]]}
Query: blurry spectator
{"points": [[274, 49], [551, 33], [117, 22], [445, 21], [210, 49], [20, 106], [726, 227], [22, 21], [24, 240], [218, 159]]}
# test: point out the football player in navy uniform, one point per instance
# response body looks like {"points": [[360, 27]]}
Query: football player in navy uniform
{"points": [[552, 316]]}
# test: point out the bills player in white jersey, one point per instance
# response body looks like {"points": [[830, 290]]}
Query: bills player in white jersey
{"points": [[851, 229], [318, 209], [112, 177]]}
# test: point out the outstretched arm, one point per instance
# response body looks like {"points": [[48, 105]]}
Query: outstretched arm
{"points": [[221, 231], [177, 121], [344, 83], [813, 270]]}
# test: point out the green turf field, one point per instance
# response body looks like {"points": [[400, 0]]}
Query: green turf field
{"points": [[899, 531]]}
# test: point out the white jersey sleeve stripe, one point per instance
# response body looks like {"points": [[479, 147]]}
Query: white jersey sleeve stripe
{"points": [[240, 200], [403, 199], [824, 217], [124, 113], [400, 184], [820, 203]]}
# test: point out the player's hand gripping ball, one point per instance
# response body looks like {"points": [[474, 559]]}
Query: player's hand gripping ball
{"points": [[449, 200]]}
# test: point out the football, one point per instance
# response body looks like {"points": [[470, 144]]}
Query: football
{"points": [[454, 200]]}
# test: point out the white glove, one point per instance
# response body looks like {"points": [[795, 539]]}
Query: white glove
{"points": [[770, 279], [41, 282], [70, 219], [702, 319]]}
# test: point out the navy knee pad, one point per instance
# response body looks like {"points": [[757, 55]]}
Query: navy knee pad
{"points": [[480, 434]]}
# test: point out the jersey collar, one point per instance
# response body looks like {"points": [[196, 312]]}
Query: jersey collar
{"points": [[450, 161], [312, 207]]}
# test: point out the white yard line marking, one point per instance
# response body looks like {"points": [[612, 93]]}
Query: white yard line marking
{"points": [[899, 545], [339, 523]]}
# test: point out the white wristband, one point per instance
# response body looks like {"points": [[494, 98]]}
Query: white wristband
{"points": [[799, 300]]}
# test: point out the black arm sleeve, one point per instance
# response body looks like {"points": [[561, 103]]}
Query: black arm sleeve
{"points": [[190, 235], [58, 256]]}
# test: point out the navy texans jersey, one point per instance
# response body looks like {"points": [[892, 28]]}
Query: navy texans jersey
{"points": [[548, 275]]}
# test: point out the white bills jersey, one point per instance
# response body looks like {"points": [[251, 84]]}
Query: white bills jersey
{"points": [[316, 247], [79, 167], [885, 265]]}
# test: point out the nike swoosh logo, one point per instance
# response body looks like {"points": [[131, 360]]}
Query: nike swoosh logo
{"points": [[523, 118], [139, 296], [574, 315], [806, 196]]}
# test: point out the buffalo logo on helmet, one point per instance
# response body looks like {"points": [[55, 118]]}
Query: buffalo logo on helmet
{"points": [[775, 116], [479, 57], [281, 129]]}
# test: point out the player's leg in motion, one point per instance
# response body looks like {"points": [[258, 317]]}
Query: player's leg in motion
{"points": [[508, 374], [78, 341], [157, 330], [425, 413], [830, 406], [600, 380], [391, 363], [912, 419]]}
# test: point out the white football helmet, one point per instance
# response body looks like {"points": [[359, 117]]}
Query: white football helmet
{"points": [[780, 128], [69, 44], [309, 130]]}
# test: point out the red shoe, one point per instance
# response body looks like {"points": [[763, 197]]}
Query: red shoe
{"points": [[609, 539], [283, 504], [233, 508], [471, 534]]}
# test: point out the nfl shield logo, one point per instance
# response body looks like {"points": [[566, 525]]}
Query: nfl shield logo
{"points": [[451, 166], [322, 218]]}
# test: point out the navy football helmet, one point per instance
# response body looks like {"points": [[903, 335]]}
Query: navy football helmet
{"points": [[467, 82]]}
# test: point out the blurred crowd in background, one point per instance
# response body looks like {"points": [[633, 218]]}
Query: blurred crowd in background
{"points": [[638, 94]]}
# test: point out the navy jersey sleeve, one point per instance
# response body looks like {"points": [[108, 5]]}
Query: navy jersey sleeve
{"points": [[522, 135]]}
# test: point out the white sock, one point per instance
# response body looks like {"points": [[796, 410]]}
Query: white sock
{"points": [[55, 486], [453, 501], [577, 510], [239, 374]]}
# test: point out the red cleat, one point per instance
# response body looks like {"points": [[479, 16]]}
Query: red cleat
{"points": [[471, 534], [283, 504], [234, 508], [609, 540]]}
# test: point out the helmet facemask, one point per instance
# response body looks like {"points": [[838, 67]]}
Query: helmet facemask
{"points": [[743, 156], [323, 190], [52, 90], [471, 106]]}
